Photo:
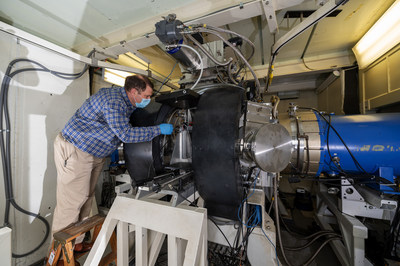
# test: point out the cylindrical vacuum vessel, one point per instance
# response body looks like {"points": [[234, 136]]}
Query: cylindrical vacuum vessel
{"points": [[373, 140]]}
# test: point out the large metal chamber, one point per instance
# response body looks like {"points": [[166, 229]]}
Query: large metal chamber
{"points": [[374, 140], [319, 143]]}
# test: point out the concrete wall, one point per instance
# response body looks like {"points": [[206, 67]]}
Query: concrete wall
{"points": [[306, 98], [331, 99], [40, 104]]}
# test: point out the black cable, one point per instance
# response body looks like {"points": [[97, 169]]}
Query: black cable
{"points": [[312, 241], [345, 177], [357, 164], [237, 237], [328, 146], [299, 236], [275, 53], [5, 144], [166, 78], [214, 222], [339, 136], [307, 44], [7, 166], [7, 185], [245, 242], [183, 197], [319, 249], [226, 239], [249, 229]]}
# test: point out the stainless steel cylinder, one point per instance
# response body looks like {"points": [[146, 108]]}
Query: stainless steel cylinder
{"points": [[270, 147], [306, 143]]}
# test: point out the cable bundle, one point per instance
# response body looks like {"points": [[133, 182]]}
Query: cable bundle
{"points": [[5, 145]]}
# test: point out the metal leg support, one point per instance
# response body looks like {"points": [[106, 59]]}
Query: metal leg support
{"points": [[352, 251], [153, 220]]}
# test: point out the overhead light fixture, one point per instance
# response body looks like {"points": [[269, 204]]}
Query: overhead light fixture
{"points": [[116, 77], [380, 38]]}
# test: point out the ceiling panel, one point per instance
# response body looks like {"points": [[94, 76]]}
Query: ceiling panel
{"points": [[80, 25], [127, 12]]}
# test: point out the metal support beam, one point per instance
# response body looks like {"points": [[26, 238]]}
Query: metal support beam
{"points": [[269, 11], [224, 17], [271, 6], [122, 244], [316, 16], [141, 244], [217, 19], [131, 48], [156, 241], [354, 233], [322, 62]]}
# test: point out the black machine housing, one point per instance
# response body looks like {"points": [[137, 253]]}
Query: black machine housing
{"points": [[214, 134]]}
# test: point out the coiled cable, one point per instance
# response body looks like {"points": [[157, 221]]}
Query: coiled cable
{"points": [[5, 144]]}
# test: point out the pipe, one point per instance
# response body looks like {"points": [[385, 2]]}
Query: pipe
{"points": [[258, 93], [197, 53], [190, 37], [237, 34]]}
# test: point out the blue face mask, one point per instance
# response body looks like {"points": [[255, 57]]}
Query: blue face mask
{"points": [[143, 103]]}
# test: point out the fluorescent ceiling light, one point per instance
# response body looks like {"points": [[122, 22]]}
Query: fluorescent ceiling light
{"points": [[380, 38], [116, 77]]}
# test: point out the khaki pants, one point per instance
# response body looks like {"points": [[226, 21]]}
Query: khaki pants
{"points": [[77, 174]]}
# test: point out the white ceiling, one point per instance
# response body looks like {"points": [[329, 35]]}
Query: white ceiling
{"points": [[81, 25]]}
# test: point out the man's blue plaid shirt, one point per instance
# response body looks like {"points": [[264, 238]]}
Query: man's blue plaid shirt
{"points": [[102, 122]]}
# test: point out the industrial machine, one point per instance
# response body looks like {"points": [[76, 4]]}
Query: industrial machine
{"points": [[230, 150]]}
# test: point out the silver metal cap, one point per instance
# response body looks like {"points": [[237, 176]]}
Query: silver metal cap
{"points": [[271, 148]]}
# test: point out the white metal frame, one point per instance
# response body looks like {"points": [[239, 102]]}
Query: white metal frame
{"points": [[185, 226], [359, 201], [271, 6], [5, 246]]}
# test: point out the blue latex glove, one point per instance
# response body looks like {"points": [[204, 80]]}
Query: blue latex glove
{"points": [[166, 129]]}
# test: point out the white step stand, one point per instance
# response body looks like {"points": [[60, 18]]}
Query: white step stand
{"points": [[185, 226]]}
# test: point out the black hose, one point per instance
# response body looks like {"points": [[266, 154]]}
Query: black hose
{"points": [[356, 163], [320, 248], [312, 241], [275, 53], [5, 144]]}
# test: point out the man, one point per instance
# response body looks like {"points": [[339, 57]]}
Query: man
{"points": [[93, 133]]}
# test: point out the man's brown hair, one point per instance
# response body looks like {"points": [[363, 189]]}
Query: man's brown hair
{"points": [[138, 82]]}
